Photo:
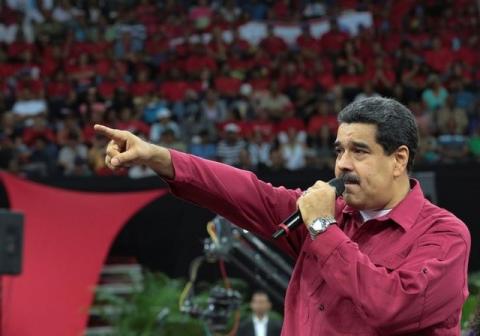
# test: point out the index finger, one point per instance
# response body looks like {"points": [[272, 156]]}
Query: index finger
{"points": [[109, 132]]}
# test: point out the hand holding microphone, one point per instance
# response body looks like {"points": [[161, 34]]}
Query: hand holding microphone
{"points": [[310, 207]]}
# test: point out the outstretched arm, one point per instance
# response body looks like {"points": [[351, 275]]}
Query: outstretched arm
{"points": [[235, 194]]}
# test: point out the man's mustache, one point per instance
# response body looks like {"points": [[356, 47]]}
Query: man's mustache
{"points": [[350, 178]]}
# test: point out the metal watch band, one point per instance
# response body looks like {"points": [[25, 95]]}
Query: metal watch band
{"points": [[320, 225]]}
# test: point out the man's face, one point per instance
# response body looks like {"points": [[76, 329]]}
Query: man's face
{"points": [[369, 172], [260, 304]]}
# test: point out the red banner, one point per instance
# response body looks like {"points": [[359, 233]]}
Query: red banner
{"points": [[67, 235]]}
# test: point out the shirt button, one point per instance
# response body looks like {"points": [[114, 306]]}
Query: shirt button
{"points": [[321, 307]]}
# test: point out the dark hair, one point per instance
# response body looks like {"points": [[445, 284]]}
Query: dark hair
{"points": [[395, 123], [260, 292]]}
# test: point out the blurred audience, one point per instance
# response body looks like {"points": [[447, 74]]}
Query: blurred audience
{"points": [[191, 75]]}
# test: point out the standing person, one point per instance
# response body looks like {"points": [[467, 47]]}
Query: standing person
{"points": [[230, 148], [379, 260], [260, 323]]}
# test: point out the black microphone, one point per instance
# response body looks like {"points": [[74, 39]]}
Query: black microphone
{"points": [[296, 218]]}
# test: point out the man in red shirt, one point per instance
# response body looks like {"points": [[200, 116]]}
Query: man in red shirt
{"points": [[333, 40], [379, 260]]}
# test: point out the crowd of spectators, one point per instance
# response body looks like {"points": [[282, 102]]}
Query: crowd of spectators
{"points": [[66, 65]]}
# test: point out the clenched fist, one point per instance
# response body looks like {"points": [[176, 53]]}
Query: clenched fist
{"points": [[318, 201]]}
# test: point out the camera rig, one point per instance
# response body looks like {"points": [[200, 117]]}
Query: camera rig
{"points": [[254, 258]]}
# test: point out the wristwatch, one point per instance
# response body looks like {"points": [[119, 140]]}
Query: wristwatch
{"points": [[320, 225]]}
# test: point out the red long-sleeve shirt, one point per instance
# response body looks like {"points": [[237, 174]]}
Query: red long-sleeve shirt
{"points": [[403, 273]]}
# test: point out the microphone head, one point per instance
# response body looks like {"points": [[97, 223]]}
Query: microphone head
{"points": [[338, 184]]}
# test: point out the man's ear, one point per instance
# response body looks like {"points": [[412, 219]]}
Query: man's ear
{"points": [[400, 156]]}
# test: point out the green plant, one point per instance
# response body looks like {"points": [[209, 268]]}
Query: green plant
{"points": [[138, 314], [472, 303]]}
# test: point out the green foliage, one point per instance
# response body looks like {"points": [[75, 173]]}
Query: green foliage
{"points": [[137, 315], [468, 311], [473, 301]]}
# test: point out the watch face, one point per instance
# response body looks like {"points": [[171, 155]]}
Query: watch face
{"points": [[318, 225]]}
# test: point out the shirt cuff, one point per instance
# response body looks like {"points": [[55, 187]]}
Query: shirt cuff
{"points": [[180, 166], [325, 243]]}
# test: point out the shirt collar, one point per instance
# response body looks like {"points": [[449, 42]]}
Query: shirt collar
{"points": [[258, 320], [404, 213]]}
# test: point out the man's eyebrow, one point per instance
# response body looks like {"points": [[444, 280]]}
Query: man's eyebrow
{"points": [[356, 144], [361, 145]]}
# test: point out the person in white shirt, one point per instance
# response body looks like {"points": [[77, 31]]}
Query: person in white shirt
{"points": [[29, 104], [294, 151], [260, 324]]}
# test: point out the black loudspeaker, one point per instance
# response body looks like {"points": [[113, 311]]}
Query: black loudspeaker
{"points": [[11, 242]]}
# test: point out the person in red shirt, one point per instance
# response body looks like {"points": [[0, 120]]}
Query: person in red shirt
{"points": [[323, 76], [39, 128], [351, 82], [263, 125], [83, 70], [143, 85], [157, 45], [226, 83], [380, 259], [201, 15], [111, 82], [128, 120], [381, 76], [217, 47], [292, 78], [260, 80], [332, 41], [238, 44], [307, 44], [175, 88], [439, 57], [60, 87], [273, 44], [324, 116], [199, 60], [469, 52]]}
